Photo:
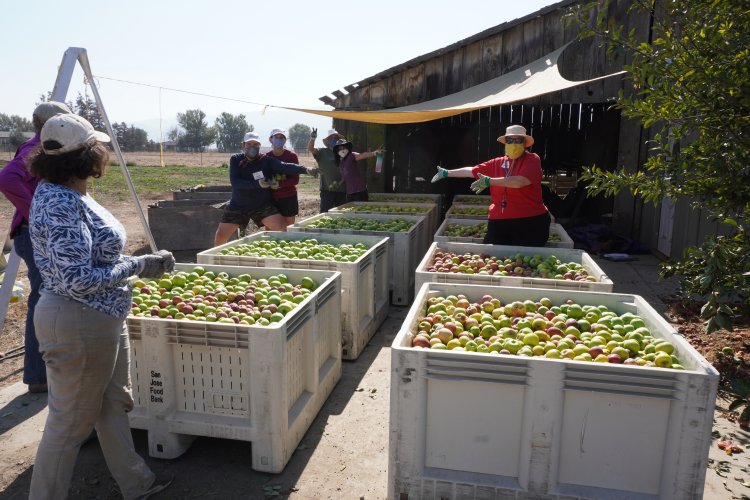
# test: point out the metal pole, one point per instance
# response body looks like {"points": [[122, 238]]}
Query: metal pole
{"points": [[83, 59]]}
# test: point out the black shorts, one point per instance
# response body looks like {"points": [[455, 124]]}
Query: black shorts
{"points": [[524, 232], [242, 217], [358, 196], [288, 207]]}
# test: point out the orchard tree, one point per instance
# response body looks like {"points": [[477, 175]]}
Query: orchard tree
{"points": [[230, 130], [691, 86], [298, 135], [196, 134]]}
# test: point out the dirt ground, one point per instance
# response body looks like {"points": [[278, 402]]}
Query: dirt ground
{"points": [[345, 452]]}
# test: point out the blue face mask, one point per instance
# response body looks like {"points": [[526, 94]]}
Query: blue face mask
{"points": [[278, 142], [331, 142], [251, 151]]}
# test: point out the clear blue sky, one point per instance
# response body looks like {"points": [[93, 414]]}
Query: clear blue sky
{"points": [[281, 53]]}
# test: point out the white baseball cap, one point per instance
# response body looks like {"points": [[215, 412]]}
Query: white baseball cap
{"points": [[68, 132], [331, 132], [251, 136], [277, 131]]}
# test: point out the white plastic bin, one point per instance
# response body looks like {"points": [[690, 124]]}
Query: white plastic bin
{"points": [[406, 248], [467, 425], [364, 282], [440, 236], [249, 383], [603, 283], [429, 210]]}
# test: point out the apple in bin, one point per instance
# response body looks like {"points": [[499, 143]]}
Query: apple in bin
{"points": [[420, 341], [487, 327]]}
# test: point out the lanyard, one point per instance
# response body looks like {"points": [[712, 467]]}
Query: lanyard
{"points": [[504, 202]]}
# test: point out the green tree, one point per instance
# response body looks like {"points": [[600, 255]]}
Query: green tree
{"points": [[86, 107], [130, 138], [691, 87], [16, 125], [298, 135], [196, 134], [229, 131]]}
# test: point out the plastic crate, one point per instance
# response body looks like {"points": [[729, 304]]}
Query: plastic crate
{"points": [[363, 304], [168, 219], [429, 210], [242, 382], [472, 199], [603, 283], [214, 193], [440, 237], [405, 248], [452, 212], [473, 425]]}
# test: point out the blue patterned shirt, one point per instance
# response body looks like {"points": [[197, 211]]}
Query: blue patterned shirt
{"points": [[78, 248]]}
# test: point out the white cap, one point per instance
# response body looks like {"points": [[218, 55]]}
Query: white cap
{"points": [[251, 136], [331, 132], [277, 131], [47, 110], [70, 131]]}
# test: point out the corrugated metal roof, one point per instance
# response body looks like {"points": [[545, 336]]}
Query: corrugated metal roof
{"points": [[450, 48]]}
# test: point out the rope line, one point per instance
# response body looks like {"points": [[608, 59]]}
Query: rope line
{"points": [[183, 91]]}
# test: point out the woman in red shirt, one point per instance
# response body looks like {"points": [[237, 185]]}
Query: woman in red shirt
{"points": [[517, 215]]}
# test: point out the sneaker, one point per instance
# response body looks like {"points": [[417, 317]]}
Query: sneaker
{"points": [[159, 485], [37, 388]]}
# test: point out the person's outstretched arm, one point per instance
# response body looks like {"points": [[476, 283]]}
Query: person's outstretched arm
{"points": [[443, 173]]}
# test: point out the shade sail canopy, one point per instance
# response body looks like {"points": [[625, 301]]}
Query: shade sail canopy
{"points": [[539, 77]]}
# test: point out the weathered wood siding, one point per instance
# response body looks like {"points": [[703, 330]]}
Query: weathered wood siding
{"points": [[572, 128]]}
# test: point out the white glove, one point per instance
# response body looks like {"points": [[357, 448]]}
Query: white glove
{"points": [[442, 173]]}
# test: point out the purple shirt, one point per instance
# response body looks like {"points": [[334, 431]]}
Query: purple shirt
{"points": [[351, 175], [17, 183]]}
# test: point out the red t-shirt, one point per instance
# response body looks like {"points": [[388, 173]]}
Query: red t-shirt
{"points": [[519, 202], [287, 185]]}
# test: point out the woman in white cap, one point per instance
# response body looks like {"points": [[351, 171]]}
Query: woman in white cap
{"points": [[252, 177], [80, 316], [332, 189], [517, 215], [285, 194]]}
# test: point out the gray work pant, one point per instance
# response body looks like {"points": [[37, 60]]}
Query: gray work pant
{"points": [[87, 355]]}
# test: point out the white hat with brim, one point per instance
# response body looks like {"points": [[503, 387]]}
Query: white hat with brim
{"points": [[517, 131], [68, 132], [251, 136]]}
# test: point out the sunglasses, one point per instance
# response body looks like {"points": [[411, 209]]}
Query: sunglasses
{"points": [[515, 140]]}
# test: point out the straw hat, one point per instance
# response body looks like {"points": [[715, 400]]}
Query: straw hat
{"points": [[516, 130]]}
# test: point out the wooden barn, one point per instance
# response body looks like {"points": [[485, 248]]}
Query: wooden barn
{"points": [[572, 128]]}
